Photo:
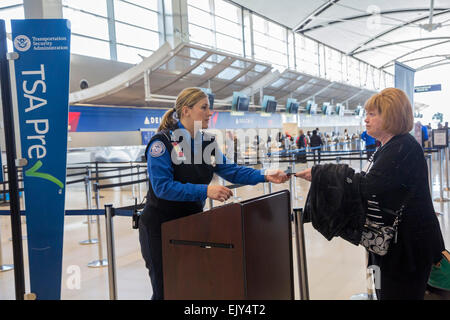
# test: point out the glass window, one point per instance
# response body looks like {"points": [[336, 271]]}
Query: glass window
{"points": [[150, 4], [333, 63], [229, 44], [145, 39], [247, 35], [259, 24], [229, 28], [353, 72], [87, 24], [131, 55], [291, 49], [201, 35], [135, 15], [227, 10], [228, 73], [203, 68], [8, 3], [276, 31], [201, 4], [200, 17], [97, 6], [9, 14], [306, 55], [89, 47]]}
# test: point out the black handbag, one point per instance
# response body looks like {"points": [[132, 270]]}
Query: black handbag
{"points": [[376, 238]]}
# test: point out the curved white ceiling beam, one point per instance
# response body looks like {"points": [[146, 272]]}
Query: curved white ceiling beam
{"points": [[411, 52], [378, 36], [124, 79]]}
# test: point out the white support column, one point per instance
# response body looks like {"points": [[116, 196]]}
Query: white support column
{"points": [[175, 21], [43, 9]]}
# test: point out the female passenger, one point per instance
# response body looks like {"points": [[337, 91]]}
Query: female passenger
{"points": [[396, 168]]}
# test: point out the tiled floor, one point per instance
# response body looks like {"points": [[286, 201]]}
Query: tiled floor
{"points": [[336, 269]]}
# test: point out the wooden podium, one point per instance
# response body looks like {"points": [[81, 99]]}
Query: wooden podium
{"points": [[236, 251]]}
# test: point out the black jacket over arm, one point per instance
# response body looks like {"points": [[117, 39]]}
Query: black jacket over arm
{"points": [[333, 204]]}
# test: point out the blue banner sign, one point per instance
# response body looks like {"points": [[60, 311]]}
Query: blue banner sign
{"points": [[42, 82], [146, 136], [431, 87], [96, 119], [404, 80]]}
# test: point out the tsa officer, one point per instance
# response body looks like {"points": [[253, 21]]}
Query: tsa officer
{"points": [[179, 178]]}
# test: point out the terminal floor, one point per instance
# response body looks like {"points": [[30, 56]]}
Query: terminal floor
{"points": [[336, 269]]}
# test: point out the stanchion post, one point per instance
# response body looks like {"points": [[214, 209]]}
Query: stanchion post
{"points": [[10, 142], [293, 178], [370, 295], [235, 195], [291, 187], [360, 160], [430, 172], [132, 180], [211, 205], [111, 252], [139, 184], [446, 168], [441, 181], [87, 188], [100, 262], [3, 191], [302, 272], [3, 267]]}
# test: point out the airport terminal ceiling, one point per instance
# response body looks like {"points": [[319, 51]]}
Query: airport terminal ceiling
{"points": [[414, 32], [159, 78]]}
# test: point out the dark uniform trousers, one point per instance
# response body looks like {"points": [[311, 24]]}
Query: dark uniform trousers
{"points": [[151, 249]]}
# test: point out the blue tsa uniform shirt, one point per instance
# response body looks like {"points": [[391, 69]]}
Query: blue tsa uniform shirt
{"points": [[179, 177]]}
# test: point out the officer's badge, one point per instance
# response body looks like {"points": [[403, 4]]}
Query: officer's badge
{"points": [[157, 149], [178, 151]]}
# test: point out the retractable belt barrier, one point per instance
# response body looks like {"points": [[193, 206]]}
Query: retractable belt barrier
{"points": [[132, 211]]}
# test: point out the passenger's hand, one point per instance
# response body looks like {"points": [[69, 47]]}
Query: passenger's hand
{"points": [[219, 193], [305, 174], [276, 176]]}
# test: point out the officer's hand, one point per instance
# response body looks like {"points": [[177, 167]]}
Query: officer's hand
{"points": [[305, 174], [219, 193], [276, 176]]}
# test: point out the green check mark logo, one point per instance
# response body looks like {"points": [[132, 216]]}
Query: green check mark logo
{"points": [[32, 172]]}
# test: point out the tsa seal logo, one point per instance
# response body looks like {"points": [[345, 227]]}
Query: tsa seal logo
{"points": [[157, 149], [22, 43]]}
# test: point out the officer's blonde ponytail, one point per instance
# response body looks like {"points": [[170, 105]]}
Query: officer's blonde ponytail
{"points": [[188, 97]]}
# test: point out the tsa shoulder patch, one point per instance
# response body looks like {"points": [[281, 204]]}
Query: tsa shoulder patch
{"points": [[157, 149]]}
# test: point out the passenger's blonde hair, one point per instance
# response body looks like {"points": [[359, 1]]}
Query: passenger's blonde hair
{"points": [[394, 108], [188, 97]]}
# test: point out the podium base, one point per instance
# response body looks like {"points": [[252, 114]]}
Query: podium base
{"points": [[98, 263], [91, 241], [363, 296], [6, 267]]}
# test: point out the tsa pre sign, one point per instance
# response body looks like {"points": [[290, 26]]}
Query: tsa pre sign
{"points": [[42, 82]]}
